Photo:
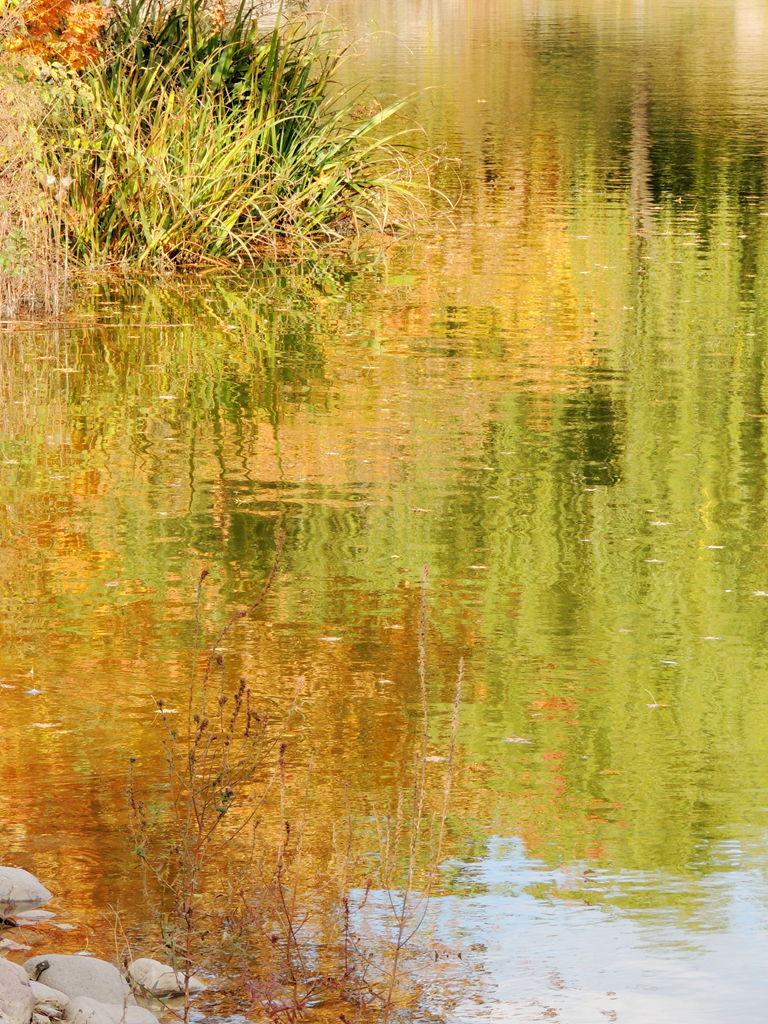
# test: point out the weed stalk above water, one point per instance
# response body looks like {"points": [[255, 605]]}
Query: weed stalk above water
{"points": [[222, 751], [232, 802]]}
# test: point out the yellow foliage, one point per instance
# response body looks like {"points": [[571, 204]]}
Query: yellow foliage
{"points": [[61, 30]]}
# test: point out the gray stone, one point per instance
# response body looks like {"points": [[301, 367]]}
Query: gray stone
{"points": [[20, 891], [16, 999], [80, 976], [11, 946], [159, 979], [83, 1010]]}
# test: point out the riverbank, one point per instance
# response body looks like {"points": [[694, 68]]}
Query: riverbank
{"points": [[182, 138]]}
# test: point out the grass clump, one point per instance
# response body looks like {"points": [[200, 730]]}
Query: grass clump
{"points": [[196, 139]]}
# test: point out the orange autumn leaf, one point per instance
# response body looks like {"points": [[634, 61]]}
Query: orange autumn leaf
{"points": [[61, 30]]}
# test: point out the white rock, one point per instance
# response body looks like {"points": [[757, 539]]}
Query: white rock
{"points": [[50, 998], [20, 891], [32, 916], [160, 979], [11, 946], [80, 976], [83, 1010], [16, 999]]}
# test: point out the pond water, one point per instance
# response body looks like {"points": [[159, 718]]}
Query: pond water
{"points": [[556, 400]]}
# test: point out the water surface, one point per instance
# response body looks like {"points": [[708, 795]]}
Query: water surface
{"points": [[556, 400]]}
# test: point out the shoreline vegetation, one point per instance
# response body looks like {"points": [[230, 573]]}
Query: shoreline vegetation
{"points": [[32, 266], [175, 136]]}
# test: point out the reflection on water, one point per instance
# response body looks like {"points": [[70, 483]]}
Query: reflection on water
{"points": [[557, 401]]}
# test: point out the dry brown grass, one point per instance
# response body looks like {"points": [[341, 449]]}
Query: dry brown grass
{"points": [[32, 261]]}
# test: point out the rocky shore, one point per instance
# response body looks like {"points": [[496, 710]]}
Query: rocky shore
{"points": [[77, 988]]}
